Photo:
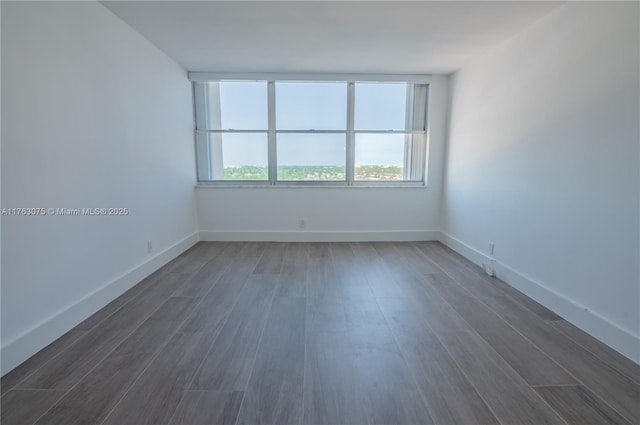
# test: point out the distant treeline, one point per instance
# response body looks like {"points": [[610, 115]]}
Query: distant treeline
{"points": [[314, 172]]}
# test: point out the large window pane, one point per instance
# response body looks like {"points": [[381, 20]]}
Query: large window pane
{"points": [[237, 105], [380, 106], [379, 157], [303, 156], [235, 121], [232, 156], [311, 106]]}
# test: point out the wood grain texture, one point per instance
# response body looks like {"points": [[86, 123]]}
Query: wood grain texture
{"points": [[322, 281], [208, 408], [386, 382], [134, 292], [38, 360], [216, 306], [351, 281], [450, 397], [530, 362], [237, 342], [603, 352], [115, 305], [330, 388], [294, 270], [198, 256], [202, 279], [456, 268], [392, 277], [235, 261], [64, 371], [275, 391], [527, 359], [271, 259], [579, 406], [412, 258], [366, 324], [466, 272], [505, 392], [319, 250], [382, 366], [395, 407], [156, 394], [94, 397], [183, 257], [323, 333], [20, 407], [381, 278], [363, 312], [616, 389], [325, 315]]}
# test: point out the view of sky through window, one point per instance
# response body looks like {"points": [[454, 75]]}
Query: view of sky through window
{"points": [[311, 106], [243, 105], [303, 106], [380, 106]]}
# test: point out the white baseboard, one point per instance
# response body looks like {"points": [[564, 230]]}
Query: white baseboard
{"points": [[30, 342], [615, 336], [42, 334], [320, 236]]}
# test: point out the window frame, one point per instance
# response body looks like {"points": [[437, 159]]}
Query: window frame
{"points": [[350, 80]]}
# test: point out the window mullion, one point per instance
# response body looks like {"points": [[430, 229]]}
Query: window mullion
{"points": [[271, 134], [420, 122], [409, 158], [350, 171]]}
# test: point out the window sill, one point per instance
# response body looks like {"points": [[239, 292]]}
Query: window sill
{"points": [[310, 186]]}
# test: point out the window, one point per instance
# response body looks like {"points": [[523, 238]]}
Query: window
{"points": [[232, 130], [311, 131], [280, 131]]}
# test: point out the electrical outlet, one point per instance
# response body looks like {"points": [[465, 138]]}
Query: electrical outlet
{"points": [[491, 248], [149, 247], [301, 223]]}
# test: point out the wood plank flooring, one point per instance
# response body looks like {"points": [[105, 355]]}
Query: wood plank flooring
{"points": [[323, 333]]}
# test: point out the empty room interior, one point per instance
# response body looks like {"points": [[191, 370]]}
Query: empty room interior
{"points": [[324, 212]]}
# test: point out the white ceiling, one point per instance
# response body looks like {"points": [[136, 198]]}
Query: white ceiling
{"points": [[425, 37]]}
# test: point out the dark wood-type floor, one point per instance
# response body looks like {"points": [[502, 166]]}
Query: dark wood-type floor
{"points": [[323, 333]]}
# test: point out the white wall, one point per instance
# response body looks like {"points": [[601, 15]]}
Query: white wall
{"points": [[543, 160], [94, 116], [333, 213]]}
